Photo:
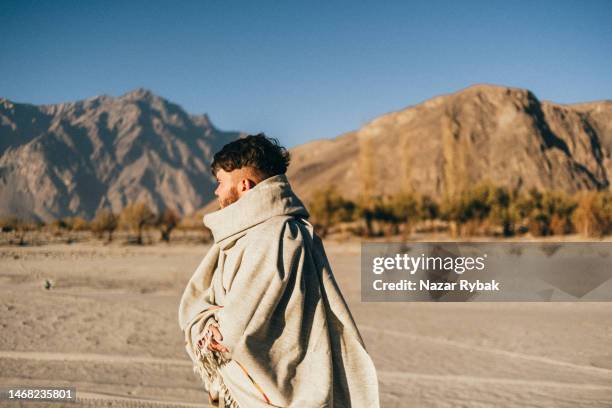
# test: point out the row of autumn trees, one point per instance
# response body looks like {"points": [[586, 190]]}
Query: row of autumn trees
{"points": [[483, 209], [135, 217]]}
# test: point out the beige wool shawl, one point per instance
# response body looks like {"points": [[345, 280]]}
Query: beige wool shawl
{"points": [[267, 284]]}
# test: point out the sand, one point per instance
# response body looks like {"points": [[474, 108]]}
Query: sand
{"points": [[108, 326]]}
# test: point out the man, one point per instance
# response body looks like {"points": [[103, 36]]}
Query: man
{"points": [[264, 320]]}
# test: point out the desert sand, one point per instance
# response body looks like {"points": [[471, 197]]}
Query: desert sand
{"points": [[108, 326]]}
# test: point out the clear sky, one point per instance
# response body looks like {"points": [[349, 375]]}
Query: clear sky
{"points": [[302, 70]]}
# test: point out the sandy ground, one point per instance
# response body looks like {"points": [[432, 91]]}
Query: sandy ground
{"points": [[109, 327]]}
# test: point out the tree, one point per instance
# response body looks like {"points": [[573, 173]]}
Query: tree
{"points": [[547, 212], [329, 208], [135, 216], [429, 209], [483, 204], [166, 222], [365, 210], [384, 213], [503, 211], [473, 204], [79, 224], [73, 224], [593, 214], [368, 171], [405, 208], [104, 221], [19, 226]]}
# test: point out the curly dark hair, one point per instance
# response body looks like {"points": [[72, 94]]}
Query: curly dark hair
{"points": [[262, 153]]}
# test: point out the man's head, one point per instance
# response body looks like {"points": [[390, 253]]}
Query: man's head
{"points": [[243, 163]]}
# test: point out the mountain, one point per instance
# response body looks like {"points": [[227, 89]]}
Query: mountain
{"points": [[450, 142], [75, 158]]}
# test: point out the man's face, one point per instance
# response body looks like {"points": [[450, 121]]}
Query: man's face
{"points": [[227, 191]]}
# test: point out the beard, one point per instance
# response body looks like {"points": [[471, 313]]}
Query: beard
{"points": [[232, 197]]}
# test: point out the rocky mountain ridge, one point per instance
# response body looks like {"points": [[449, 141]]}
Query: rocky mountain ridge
{"points": [[75, 158], [451, 142]]}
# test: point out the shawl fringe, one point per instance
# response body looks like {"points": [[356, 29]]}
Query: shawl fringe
{"points": [[207, 367]]}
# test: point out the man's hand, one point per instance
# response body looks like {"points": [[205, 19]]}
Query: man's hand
{"points": [[212, 339]]}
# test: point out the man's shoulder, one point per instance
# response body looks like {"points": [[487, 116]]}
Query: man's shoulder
{"points": [[278, 226]]}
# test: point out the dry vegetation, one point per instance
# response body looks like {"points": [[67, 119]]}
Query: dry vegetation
{"points": [[482, 210], [136, 224]]}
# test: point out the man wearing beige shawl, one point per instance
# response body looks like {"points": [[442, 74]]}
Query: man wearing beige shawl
{"points": [[264, 320]]}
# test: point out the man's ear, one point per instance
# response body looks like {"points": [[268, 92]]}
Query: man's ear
{"points": [[246, 184]]}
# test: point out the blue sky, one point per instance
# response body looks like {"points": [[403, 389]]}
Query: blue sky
{"points": [[302, 70]]}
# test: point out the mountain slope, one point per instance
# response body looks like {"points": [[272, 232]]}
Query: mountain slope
{"points": [[74, 158], [450, 142]]}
